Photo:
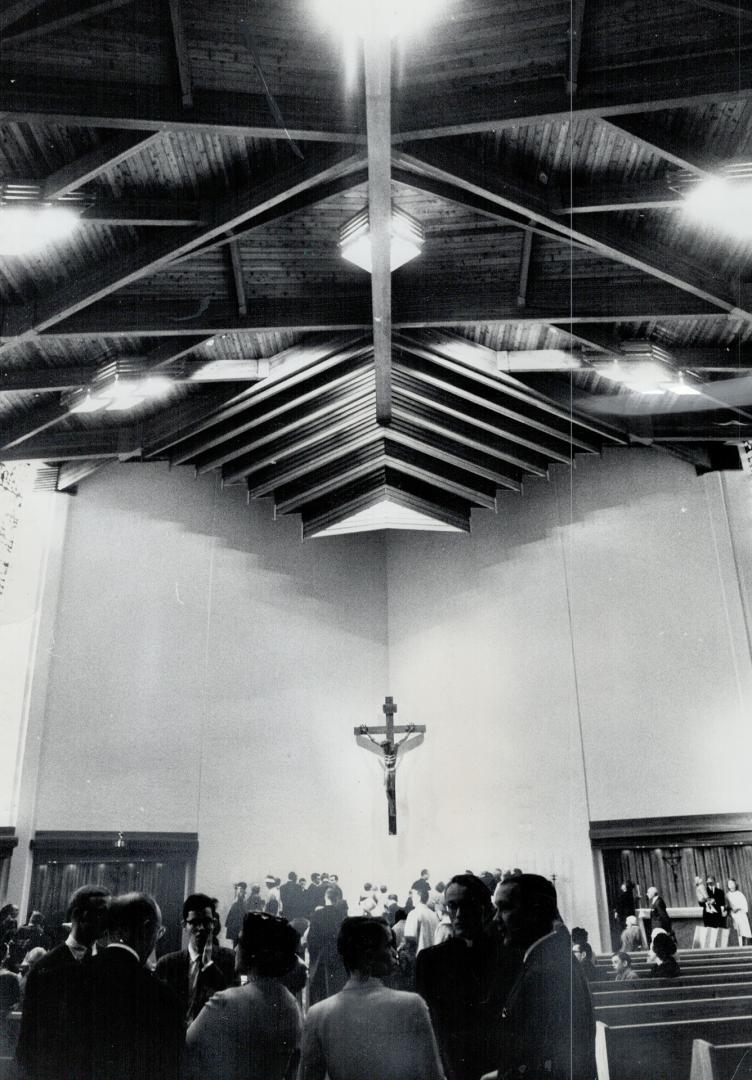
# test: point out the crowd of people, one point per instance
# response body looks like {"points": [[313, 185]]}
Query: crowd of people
{"points": [[475, 979]]}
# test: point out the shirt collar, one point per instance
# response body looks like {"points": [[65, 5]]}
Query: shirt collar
{"points": [[78, 950]]}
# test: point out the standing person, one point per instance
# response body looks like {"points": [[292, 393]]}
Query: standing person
{"points": [[251, 1032], [327, 972], [203, 968], [738, 909], [465, 981], [624, 906], [42, 1025], [631, 938], [291, 896], [130, 1023], [583, 954], [367, 1030], [547, 1026], [236, 914], [714, 910], [659, 916], [255, 901], [422, 923]]}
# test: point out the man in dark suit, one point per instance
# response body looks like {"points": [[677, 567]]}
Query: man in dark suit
{"points": [[236, 914], [714, 907], [129, 1022], [199, 971], [327, 973], [465, 980], [42, 1025], [659, 916], [293, 900], [547, 1025]]}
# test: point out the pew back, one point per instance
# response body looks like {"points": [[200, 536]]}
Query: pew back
{"points": [[730, 1062], [661, 1050]]}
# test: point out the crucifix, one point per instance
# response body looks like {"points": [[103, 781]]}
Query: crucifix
{"points": [[390, 752]]}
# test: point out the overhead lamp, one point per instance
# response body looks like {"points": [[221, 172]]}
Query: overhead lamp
{"points": [[647, 377], [357, 17], [723, 203], [119, 385], [26, 229], [406, 239]]}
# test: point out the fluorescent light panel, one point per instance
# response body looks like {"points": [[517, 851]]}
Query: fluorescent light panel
{"points": [[26, 229]]}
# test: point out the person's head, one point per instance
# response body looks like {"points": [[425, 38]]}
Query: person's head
{"points": [[468, 904], [382, 889], [367, 947], [441, 887], [315, 879], [652, 892], [217, 925], [240, 888], [400, 915], [302, 882], [334, 878], [710, 881], [631, 920], [198, 919], [255, 890], [333, 895], [425, 874], [292, 876], [731, 885], [620, 961], [136, 921], [270, 881], [526, 908], [30, 958], [579, 935], [663, 947], [367, 887], [267, 945], [36, 919], [623, 887], [657, 931], [582, 951], [698, 879], [420, 892], [87, 913]]}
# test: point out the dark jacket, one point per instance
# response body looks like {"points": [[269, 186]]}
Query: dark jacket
{"points": [[659, 916], [174, 969], [465, 989], [547, 1023], [41, 1021], [327, 974]]}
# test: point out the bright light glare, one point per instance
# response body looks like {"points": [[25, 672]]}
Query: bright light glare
{"points": [[24, 230], [398, 17], [359, 252], [722, 204], [648, 377], [89, 403], [155, 386]]}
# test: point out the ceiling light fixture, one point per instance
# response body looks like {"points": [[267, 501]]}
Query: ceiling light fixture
{"points": [[118, 386], [647, 377], [26, 229], [407, 238], [722, 203], [357, 17]]}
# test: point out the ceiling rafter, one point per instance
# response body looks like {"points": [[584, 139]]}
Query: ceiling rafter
{"points": [[232, 209], [115, 150], [154, 108], [182, 56], [668, 266], [66, 18]]}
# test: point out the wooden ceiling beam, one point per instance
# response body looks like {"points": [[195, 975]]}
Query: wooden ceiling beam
{"points": [[377, 49], [576, 27], [111, 442], [443, 483], [616, 198], [326, 487], [11, 13], [116, 149], [668, 266], [236, 271], [231, 209], [50, 23], [643, 131], [71, 473], [297, 469], [182, 56], [377, 491], [608, 92], [419, 304], [154, 108], [24, 380], [455, 461]]}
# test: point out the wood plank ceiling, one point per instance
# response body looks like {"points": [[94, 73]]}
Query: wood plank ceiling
{"points": [[213, 150]]}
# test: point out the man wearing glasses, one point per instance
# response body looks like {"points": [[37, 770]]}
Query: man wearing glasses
{"points": [[203, 968]]}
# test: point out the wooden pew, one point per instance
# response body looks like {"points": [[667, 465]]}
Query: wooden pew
{"points": [[661, 1050], [695, 979], [720, 1062], [702, 974], [643, 990], [670, 1009]]}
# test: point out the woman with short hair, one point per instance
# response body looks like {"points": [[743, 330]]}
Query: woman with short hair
{"points": [[251, 1032]]}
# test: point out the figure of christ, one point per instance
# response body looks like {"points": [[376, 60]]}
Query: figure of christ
{"points": [[390, 752]]}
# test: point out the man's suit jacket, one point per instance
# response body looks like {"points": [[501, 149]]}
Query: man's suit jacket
{"points": [[41, 1020], [659, 916], [174, 969]]}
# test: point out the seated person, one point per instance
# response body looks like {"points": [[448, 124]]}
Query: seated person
{"points": [[666, 966], [368, 1030], [251, 1032], [621, 962]]}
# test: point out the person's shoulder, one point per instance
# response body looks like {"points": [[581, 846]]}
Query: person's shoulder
{"points": [[58, 956], [171, 960]]}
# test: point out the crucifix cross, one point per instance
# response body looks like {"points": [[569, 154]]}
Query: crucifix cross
{"points": [[390, 752]]}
